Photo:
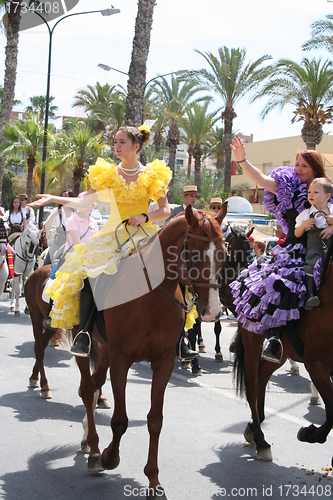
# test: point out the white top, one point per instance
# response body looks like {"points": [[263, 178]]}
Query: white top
{"points": [[320, 219], [31, 216], [13, 218], [55, 223]]}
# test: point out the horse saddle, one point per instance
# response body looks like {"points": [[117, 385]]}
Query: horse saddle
{"points": [[137, 275]]}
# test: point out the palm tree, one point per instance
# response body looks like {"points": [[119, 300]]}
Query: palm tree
{"points": [[174, 97], [307, 86], [321, 35], [98, 102], [138, 68], [38, 106], [231, 79], [216, 148], [25, 138], [197, 125], [11, 22], [75, 149]]}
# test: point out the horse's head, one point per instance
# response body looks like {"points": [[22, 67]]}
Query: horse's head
{"points": [[30, 239], [201, 260], [239, 248]]}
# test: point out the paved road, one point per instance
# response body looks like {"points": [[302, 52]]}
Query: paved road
{"points": [[202, 451]]}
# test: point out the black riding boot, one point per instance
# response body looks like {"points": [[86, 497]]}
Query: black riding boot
{"points": [[273, 350], [183, 351], [82, 342], [311, 299], [47, 318]]}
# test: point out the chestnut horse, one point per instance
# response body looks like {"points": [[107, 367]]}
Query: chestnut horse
{"points": [[314, 334], [149, 327]]}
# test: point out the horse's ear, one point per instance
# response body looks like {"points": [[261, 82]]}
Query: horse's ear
{"points": [[191, 216], [222, 213], [249, 232]]}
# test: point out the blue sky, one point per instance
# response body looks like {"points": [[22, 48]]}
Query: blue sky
{"points": [[261, 26]]}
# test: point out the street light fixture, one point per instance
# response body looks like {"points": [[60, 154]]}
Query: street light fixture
{"points": [[104, 12]]}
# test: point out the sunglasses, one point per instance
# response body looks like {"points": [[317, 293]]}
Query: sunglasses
{"points": [[215, 207]]}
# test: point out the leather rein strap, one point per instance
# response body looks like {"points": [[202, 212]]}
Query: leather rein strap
{"points": [[191, 285]]}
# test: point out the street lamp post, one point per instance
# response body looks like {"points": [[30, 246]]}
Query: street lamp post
{"points": [[104, 12]]}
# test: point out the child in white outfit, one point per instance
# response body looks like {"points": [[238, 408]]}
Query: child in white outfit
{"points": [[313, 220]]}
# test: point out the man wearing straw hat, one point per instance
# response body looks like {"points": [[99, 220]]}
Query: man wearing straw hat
{"points": [[190, 194]]}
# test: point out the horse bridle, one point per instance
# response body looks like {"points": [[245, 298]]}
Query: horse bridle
{"points": [[192, 285]]}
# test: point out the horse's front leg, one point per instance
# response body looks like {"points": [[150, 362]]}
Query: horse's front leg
{"points": [[320, 376], [119, 366], [41, 341], [89, 396], [162, 369], [217, 331], [252, 353], [15, 304]]}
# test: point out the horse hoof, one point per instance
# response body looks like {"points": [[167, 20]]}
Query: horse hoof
{"points": [[156, 494], [186, 365], [33, 383], [17, 313], [202, 349], [248, 435], [47, 394], [294, 370], [103, 403], [196, 372], [111, 464], [219, 357], [314, 400], [26, 311], [12, 309], [94, 464], [265, 455], [85, 448]]}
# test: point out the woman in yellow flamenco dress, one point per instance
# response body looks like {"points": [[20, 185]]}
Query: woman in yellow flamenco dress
{"points": [[128, 187]]}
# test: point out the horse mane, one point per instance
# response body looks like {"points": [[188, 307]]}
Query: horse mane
{"points": [[326, 261]]}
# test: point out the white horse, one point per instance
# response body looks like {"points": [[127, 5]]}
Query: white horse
{"points": [[25, 247]]}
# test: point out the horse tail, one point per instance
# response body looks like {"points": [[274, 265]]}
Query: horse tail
{"points": [[239, 364]]}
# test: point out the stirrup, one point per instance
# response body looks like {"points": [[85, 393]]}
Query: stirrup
{"points": [[267, 357], [82, 354]]}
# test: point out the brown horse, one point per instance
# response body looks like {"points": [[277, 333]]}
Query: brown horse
{"points": [[314, 333], [149, 327]]}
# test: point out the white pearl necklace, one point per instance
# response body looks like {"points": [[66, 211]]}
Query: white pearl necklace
{"points": [[130, 172]]}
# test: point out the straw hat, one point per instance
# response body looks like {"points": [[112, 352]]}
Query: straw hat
{"points": [[190, 189], [23, 196], [214, 201]]}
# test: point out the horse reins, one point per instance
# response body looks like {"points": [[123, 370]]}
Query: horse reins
{"points": [[191, 285]]}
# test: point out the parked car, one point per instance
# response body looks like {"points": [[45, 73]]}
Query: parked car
{"points": [[96, 214], [270, 243]]}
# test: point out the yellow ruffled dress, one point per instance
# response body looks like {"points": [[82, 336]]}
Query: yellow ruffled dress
{"points": [[98, 255]]}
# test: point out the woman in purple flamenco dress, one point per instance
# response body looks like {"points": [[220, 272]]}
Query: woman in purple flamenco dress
{"points": [[268, 298]]}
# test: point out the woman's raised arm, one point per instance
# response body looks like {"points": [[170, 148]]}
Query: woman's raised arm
{"points": [[265, 181], [76, 203]]}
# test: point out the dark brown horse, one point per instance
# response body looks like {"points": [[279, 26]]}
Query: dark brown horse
{"points": [[314, 333], [148, 328]]}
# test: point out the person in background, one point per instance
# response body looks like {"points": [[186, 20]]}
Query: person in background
{"points": [[57, 220], [14, 217], [259, 247], [28, 212], [190, 194]]}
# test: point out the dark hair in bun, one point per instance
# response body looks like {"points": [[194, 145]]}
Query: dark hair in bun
{"points": [[137, 136]]}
